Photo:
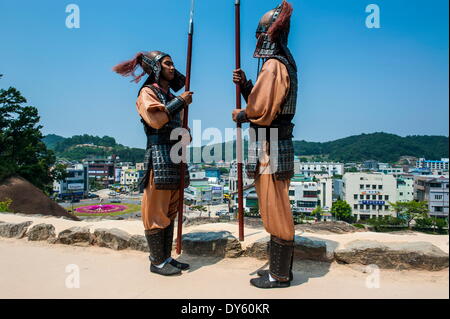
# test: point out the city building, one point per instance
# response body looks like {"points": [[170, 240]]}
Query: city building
{"points": [[306, 194], [309, 169], [250, 199], [202, 192], [212, 172], [434, 190], [371, 165], [369, 194], [217, 192], [405, 188], [76, 184], [198, 174], [130, 176], [233, 178], [391, 170], [337, 189], [433, 165], [102, 169], [420, 171], [303, 194]]}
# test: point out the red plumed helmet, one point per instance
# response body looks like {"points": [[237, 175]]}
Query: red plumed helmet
{"points": [[282, 23]]}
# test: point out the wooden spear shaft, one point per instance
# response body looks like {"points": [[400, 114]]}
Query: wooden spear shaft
{"points": [[185, 125], [239, 125]]}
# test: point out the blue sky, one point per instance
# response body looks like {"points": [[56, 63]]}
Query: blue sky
{"points": [[353, 79]]}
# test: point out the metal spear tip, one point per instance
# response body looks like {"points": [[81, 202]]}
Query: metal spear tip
{"points": [[237, 2], [191, 19], [192, 8]]}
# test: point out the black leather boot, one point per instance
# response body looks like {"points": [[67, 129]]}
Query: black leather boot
{"points": [[168, 242], [155, 240], [281, 252], [264, 272]]}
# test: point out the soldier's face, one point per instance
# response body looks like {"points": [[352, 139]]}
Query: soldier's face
{"points": [[167, 68]]}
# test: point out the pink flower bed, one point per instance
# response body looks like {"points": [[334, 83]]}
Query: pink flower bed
{"points": [[101, 209]]}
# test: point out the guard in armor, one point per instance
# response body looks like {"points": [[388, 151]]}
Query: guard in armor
{"points": [[161, 112], [271, 105]]}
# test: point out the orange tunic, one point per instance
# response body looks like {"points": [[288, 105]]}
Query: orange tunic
{"points": [[264, 104], [159, 207]]}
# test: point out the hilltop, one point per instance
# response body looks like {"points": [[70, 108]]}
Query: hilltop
{"points": [[380, 146]]}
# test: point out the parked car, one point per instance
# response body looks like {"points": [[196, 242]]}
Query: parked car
{"points": [[75, 200], [115, 201], [222, 213], [91, 195]]}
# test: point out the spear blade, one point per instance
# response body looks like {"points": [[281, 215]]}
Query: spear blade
{"points": [[191, 19]]}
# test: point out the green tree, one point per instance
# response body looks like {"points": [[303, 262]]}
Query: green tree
{"points": [[342, 211], [94, 184], [4, 205], [398, 207], [410, 211], [22, 152], [59, 172], [424, 222], [441, 223], [413, 210], [317, 212]]}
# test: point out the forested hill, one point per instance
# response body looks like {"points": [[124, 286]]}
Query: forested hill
{"points": [[79, 147], [382, 147]]}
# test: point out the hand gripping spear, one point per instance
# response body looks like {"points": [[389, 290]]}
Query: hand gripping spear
{"points": [[237, 6], [185, 125]]}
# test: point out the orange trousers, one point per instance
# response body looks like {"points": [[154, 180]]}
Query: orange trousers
{"points": [[159, 207], [274, 204]]}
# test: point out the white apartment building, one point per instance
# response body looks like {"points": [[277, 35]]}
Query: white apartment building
{"points": [[434, 190], [128, 176], [197, 174], [76, 183], [305, 195], [405, 188], [312, 168], [391, 170], [433, 165], [325, 189], [369, 194]]}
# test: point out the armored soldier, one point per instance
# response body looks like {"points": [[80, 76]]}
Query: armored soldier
{"points": [[271, 105], [161, 112]]}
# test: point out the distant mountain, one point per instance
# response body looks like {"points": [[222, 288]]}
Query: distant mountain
{"points": [[382, 147], [79, 147], [51, 140]]}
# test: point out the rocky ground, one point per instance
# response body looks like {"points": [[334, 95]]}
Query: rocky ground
{"points": [[334, 246]]}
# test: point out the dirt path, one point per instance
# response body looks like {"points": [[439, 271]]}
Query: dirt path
{"points": [[38, 270]]}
